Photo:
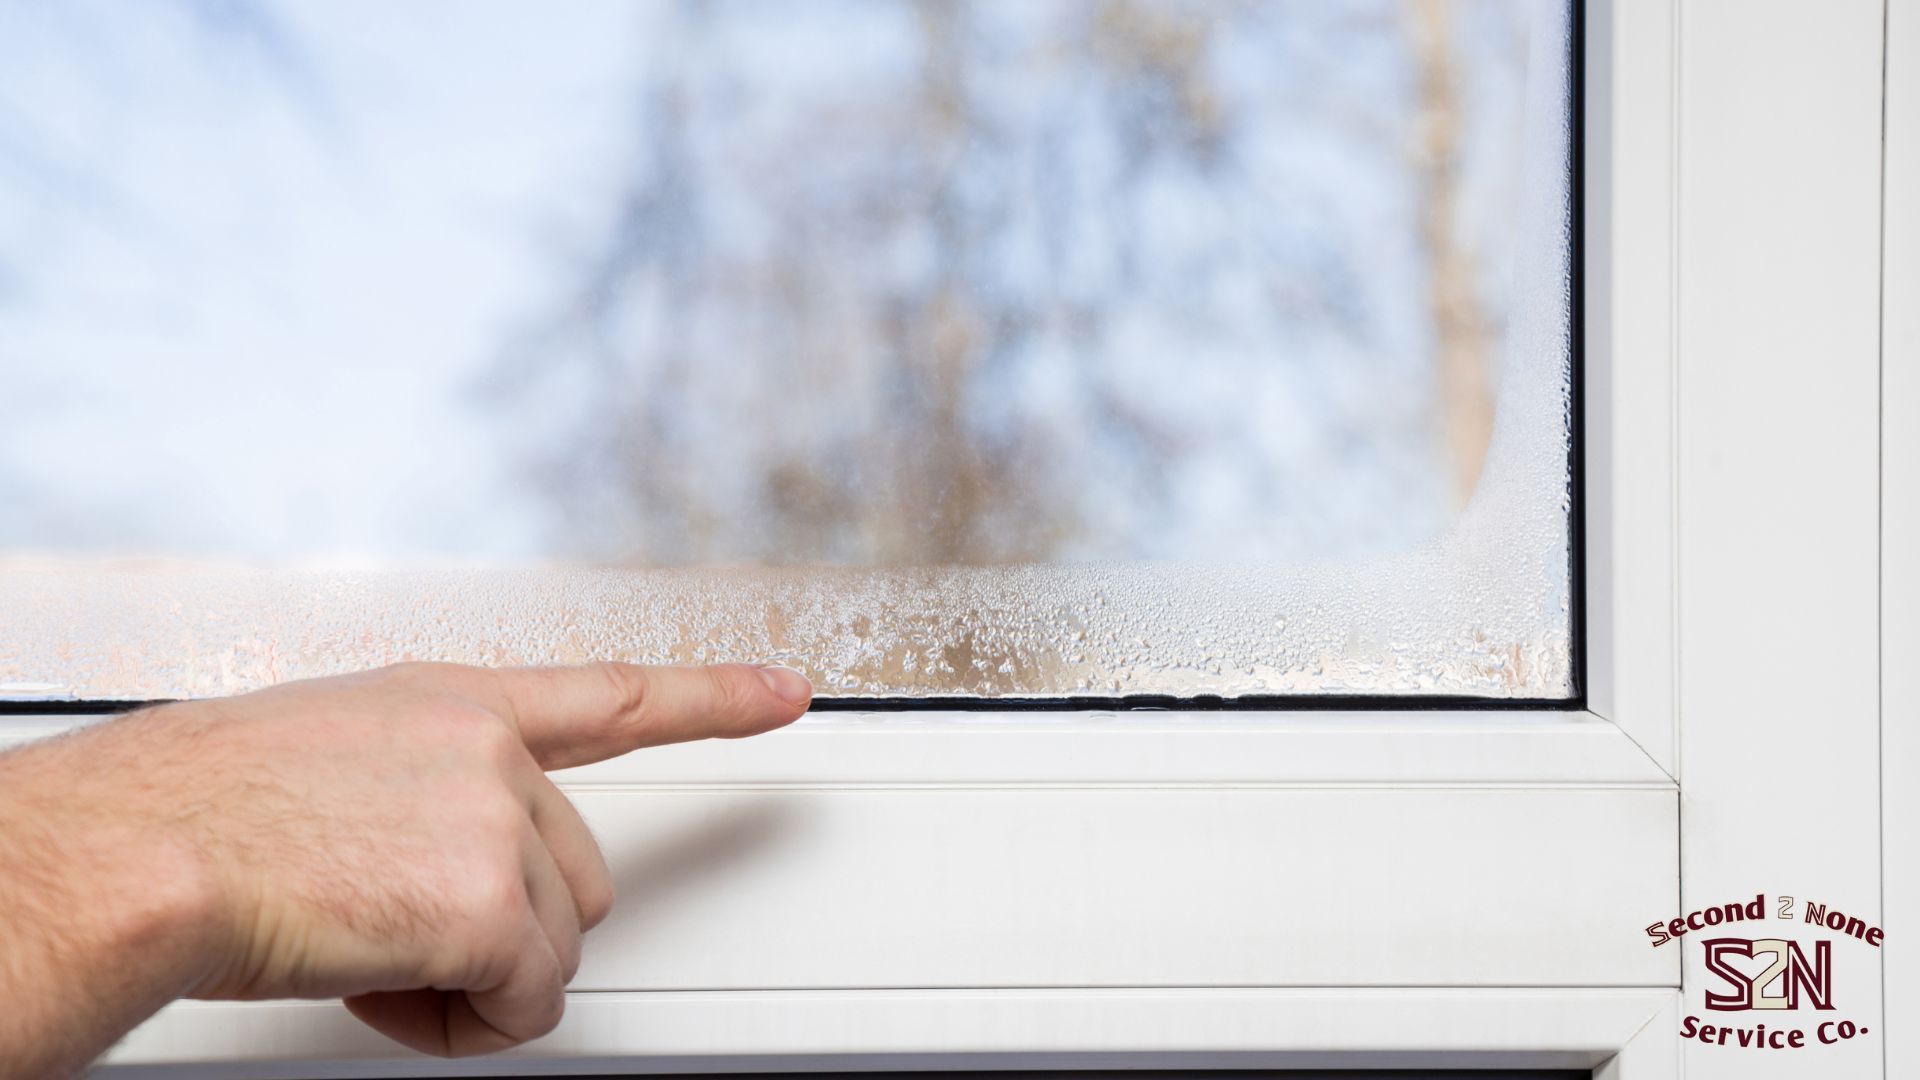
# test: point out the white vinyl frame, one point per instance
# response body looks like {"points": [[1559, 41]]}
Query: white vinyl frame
{"points": [[1900, 529], [1350, 890]]}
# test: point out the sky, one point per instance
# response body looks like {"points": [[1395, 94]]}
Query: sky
{"points": [[248, 277], [257, 261]]}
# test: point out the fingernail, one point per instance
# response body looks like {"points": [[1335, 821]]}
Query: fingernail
{"points": [[792, 686]]}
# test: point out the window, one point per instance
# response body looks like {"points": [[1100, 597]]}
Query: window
{"points": [[1106, 349], [1254, 890]]}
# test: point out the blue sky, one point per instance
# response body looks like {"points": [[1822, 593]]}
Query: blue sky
{"points": [[247, 328], [255, 261]]}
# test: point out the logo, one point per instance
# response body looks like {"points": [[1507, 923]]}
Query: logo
{"points": [[1789, 981], [1788, 970]]}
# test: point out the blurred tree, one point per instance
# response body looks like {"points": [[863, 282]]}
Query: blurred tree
{"points": [[897, 316], [878, 453], [1461, 330]]}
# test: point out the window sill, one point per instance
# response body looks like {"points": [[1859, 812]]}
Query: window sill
{"points": [[848, 1031], [991, 884]]}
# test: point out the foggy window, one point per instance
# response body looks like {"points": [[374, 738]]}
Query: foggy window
{"points": [[954, 348]]}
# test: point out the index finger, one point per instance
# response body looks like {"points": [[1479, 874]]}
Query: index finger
{"points": [[577, 715]]}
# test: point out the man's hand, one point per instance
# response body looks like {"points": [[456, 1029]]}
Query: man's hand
{"points": [[389, 838]]}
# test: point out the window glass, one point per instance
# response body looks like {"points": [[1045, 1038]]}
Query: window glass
{"points": [[955, 348]]}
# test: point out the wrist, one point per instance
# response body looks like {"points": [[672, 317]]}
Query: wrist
{"points": [[174, 899], [97, 878]]}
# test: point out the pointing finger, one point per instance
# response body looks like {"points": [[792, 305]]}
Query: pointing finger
{"points": [[574, 716]]}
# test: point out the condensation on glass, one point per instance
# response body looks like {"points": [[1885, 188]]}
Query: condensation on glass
{"points": [[941, 349]]}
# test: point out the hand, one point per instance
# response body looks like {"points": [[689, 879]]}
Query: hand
{"points": [[389, 838]]}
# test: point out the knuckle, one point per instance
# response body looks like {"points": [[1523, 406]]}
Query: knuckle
{"points": [[495, 894], [499, 746], [629, 683], [499, 821], [598, 904], [568, 953], [596, 900], [491, 905], [552, 1006], [481, 734], [728, 689]]}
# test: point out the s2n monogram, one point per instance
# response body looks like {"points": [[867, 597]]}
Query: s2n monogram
{"points": [[1789, 967]]}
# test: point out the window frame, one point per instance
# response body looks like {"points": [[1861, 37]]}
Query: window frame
{"points": [[1662, 447]]}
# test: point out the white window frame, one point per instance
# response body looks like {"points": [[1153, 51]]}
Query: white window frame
{"points": [[1316, 889]]}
